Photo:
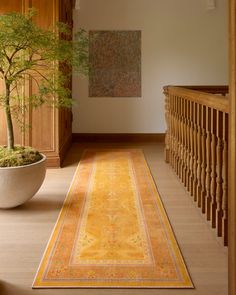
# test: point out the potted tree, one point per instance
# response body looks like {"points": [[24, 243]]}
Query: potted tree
{"points": [[30, 53]]}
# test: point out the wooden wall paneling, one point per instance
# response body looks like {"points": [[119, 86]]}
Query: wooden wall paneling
{"points": [[5, 7], [12, 5], [65, 114], [3, 131], [44, 121], [51, 128], [26, 90]]}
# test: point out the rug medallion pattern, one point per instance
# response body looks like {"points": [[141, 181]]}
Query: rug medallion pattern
{"points": [[112, 230]]}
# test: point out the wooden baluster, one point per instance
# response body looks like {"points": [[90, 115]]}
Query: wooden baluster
{"points": [[171, 128], [195, 150], [191, 164], [213, 168], [208, 163], [167, 117], [188, 148], [179, 136], [178, 105], [182, 142], [196, 147], [174, 134], [198, 155], [203, 159], [185, 144], [225, 180], [219, 180]]}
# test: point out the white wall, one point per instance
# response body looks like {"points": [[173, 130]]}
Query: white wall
{"points": [[182, 43]]}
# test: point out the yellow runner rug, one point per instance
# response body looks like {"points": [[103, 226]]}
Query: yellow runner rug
{"points": [[112, 230]]}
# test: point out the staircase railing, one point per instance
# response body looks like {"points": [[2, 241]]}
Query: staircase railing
{"points": [[196, 146]]}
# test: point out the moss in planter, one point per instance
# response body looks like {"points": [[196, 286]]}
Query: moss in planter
{"points": [[19, 156]]}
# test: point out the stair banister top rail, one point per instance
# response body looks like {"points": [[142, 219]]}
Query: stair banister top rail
{"points": [[211, 96]]}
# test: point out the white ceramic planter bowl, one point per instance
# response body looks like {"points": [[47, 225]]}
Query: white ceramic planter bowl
{"points": [[19, 184]]}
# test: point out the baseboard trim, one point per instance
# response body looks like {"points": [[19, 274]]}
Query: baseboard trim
{"points": [[53, 162], [114, 137], [64, 149], [54, 158]]}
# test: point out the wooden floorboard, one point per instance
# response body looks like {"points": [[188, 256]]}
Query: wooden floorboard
{"points": [[25, 231]]}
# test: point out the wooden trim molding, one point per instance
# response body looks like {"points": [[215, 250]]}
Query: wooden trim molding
{"points": [[53, 162], [114, 137], [214, 89], [220, 103], [232, 149], [65, 148]]}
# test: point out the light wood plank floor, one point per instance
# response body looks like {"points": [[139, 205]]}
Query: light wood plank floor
{"points": [[24, 232]]}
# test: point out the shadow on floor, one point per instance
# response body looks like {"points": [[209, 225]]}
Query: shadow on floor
{"points": [[40, 204], [7, 289]]}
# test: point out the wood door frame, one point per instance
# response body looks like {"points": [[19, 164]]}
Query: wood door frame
{"points": [[232, 149]]}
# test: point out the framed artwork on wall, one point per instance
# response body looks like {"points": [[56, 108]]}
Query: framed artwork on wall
{"points": [[115, 60]]}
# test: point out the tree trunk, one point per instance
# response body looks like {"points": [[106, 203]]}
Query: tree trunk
{"points": [[10, 133]]}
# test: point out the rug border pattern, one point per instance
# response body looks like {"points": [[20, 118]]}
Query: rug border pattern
{"points": [[185, 283]]}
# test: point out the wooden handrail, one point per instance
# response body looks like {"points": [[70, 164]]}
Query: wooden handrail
{"points": [[210, 96], [196, 146], [214, 89]]}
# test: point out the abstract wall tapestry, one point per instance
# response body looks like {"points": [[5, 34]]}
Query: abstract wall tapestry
{"points": [[115, 60]]}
